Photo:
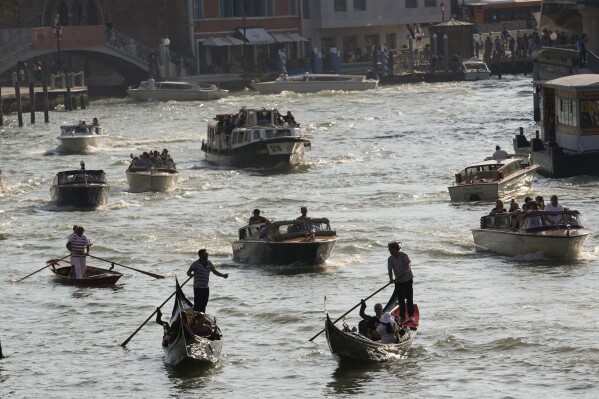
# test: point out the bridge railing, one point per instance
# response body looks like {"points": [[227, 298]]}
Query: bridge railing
{"points": [[128, 45], [14, 42]]}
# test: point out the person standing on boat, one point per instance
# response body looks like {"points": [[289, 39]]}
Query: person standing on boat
{"points": [[399, 264], [554, 206], [500, 154], [201, 269], [304, 212], [256, 218], [79, 245]]}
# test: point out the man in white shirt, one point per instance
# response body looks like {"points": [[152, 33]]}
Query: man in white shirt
{"points": [[554, 206], [500, 154]]}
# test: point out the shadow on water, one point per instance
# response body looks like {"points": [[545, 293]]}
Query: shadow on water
{"points": [[189, 376]]}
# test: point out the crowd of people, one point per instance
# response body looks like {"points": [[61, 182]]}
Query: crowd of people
{"points": [[153, 159], [527, 216]]}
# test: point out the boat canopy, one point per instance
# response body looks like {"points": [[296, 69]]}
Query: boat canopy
{"points": [[80, 176], [532, 220], [286, 229]]}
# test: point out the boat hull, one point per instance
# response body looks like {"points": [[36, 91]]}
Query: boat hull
{"points": [[492, 191], [283, 253], [312, 87], [192, 349], [262, 154], [151, 180], [176, 95], [80, 196], [354, 346], [78, 144], [94, 276], [473, 76], [559, 243]]}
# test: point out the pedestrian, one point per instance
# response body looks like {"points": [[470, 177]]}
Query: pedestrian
{"points": [[399, 267], [79, 245], [200, 270]]}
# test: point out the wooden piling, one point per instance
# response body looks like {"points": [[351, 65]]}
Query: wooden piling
{"points": [[19, 107], [82, 101], [68, 101], [46, 101], [32, 102], [1, 116]]}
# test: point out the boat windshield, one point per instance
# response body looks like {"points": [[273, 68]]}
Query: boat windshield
{"points": [[479, 173], [78, 177], [532, 220]]}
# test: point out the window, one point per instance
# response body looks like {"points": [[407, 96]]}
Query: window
{"points": [[430, 3], [340, 5], [306, 9], [360, 5], [255, 8], [411, 3], [566, 112], [198, 9], [292, 7]]}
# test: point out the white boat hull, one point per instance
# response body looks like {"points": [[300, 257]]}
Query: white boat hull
{"points": [[551, 243], [492, 191], [479, 75], [147, 180], [176, 95], [81, 143]]}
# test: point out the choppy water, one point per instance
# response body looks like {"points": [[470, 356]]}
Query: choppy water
{"points": [[379, 169]]}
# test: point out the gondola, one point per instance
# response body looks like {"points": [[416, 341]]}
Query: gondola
{"points": [[94, 276], [348, 344], [180, 342]]}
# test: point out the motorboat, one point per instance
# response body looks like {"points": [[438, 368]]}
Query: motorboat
{"points": [[81, 137], [475, 69], [491, 179], [94, 276], [553, 234], [176, 91], [144, 174], [254, 137], [348, 343], [307, 241], [80, 188], [183, 342], [315, 82]]}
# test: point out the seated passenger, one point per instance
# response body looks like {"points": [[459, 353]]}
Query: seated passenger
{"points": [[534, 219], [367, 327], [265, 229], [498, 208], [200, 326], [387, 329]]}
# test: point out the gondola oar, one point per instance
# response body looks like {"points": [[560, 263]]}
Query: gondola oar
{"points": [[125, 342], [48, 264], [359, 303], [128, 267]]}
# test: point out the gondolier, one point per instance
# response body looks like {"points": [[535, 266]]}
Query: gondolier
{"points": [[79, 245], [399, 264], [201, 269]]}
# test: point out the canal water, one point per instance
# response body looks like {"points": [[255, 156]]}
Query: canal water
{"points": [[379, 168]]}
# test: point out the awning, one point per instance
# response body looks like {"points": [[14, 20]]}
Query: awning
{"points": [[256, 36], [289, 37], [222, 41]]}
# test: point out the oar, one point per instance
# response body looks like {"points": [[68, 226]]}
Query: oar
{"points": [[49, 263], [128, 267], [346, 313], [125, 342]]}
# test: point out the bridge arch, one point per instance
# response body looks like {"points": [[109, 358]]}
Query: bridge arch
{"points": [[73, 12]]}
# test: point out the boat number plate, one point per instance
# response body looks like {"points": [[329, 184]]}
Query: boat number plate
{"points": [[279, 149]]}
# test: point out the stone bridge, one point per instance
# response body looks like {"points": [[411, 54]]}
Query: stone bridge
{"points": [[117, 52]]}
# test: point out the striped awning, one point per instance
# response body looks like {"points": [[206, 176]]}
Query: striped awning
{"points": [[221, 41], [256, 35], [289, 38]]}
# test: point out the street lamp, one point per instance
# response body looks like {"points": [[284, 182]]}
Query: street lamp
{"points": [[167, 58], [244, 49], [442, 11], [58, 31]]}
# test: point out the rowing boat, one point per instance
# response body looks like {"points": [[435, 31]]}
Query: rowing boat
{"points": [[94, 276]]}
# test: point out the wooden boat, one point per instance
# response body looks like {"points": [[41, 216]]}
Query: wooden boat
{"points": [[261, 138], [94, 276], [315, 82], [475, 69], [176, 91], [143, 176], [80, 188], [348, 344], [181, 344], [80, 138], [553, 234], [287, 241], [490, 179]]}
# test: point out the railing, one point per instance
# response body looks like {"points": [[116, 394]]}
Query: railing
{"points": [[123, 43]]}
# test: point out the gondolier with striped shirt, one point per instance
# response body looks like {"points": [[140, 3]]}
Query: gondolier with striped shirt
{"points": [[399, 264], [201, 269], [79, 245]]}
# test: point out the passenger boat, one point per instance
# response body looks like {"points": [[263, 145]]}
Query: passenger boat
{"points": [[80, 188], [94, 276], [350, 344], [181, 342], [176, 91], [314, 82], [475, 69], [552, 234], [568, 143], [255, 137], [143, 175], [285, 242], [490, 179], [81, 138]]}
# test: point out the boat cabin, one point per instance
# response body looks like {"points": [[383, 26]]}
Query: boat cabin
{"points": [[151, 163], [287, 229], [81, 129], [570, 112], [82, 176], [532, 220], [490, 170]]}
